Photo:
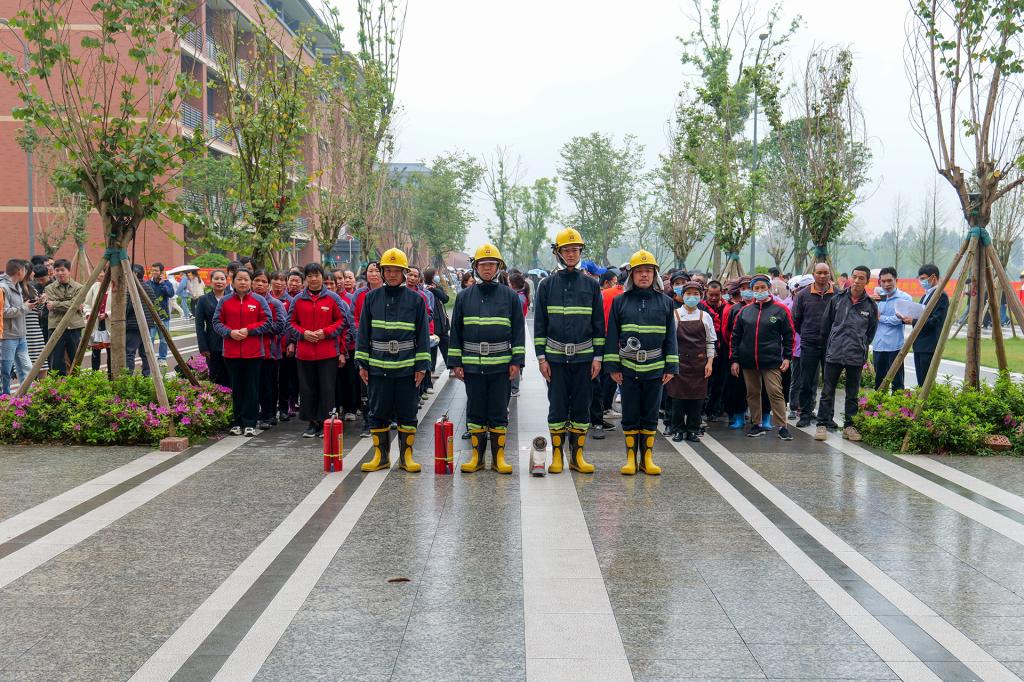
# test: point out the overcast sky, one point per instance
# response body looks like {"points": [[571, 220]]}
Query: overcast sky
{"points": [[533, 73]]}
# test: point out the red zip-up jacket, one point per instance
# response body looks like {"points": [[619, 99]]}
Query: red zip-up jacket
{"points": [[247, 311], [311, 311]]}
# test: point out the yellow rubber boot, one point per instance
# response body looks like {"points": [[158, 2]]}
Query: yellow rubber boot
{"points": [[498, 452], [478, 440], [406, 437], [577, 439], [648, 466], [630, 468], [381, 450], [557, 446]]}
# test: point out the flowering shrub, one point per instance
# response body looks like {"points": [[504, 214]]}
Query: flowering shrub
{"points": [[88, 408], [954, 419], [197, 363]]}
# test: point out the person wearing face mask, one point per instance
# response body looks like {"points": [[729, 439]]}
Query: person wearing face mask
{"points": [[808, 310], [735, 397], [393, 352], [641, 358], [762, 348], [442, 325], [488, 351], [569, 336], [928, 339], [715, 302], [889, 337], [696, 339]]}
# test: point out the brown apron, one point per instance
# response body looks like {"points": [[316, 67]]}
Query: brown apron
{"points": [[692, 338]]}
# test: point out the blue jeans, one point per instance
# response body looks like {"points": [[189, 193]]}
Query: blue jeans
{"points": [[154, 333], [15, 352]]}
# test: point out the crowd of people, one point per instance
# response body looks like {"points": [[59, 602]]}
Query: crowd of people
{"points": [[679, 348]]}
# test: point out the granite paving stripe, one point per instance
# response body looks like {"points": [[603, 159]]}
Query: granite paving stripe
{"points": [[1002, 500], [30, 556], [256, 599], [933, 640], [1003, 520]]}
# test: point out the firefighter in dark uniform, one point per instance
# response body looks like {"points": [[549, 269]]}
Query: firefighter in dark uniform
{"points": [[393, 352], [487, 351], [569, 337], [641, 357]]}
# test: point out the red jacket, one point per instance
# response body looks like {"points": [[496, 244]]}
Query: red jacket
{"points": [[248, 311], [608, 295], [310, 312]]}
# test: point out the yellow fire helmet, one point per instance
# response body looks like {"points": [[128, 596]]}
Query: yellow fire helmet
{"points": [[642, 257], [567, 237], [394, 258], [488, 252]]}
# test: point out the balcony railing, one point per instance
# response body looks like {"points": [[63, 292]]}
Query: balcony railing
{"points": [[212, 50], [192, 35], [191, 117]]}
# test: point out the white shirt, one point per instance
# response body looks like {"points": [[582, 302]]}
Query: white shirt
{"points": [[684, 315]]}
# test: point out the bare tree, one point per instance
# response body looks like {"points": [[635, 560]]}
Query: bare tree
{"points": [[502, 173], [686, 215], [898, 228], [1007, 224]]}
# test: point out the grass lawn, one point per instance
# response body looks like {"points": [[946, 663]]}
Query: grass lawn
{"points": [[956, 349]]}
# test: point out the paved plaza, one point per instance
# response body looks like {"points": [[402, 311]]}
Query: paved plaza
{"points": [[746, 559]]}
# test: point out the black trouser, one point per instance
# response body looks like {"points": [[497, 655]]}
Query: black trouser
{"points": [[716, 386], [569, 393], [347, 392], [641, 399], [596, 401], [828, 393], [268, 390], [393, 399], [443, 347], [487, 398], [245, 390], [97, 359], [218, 371], [686, 414], [282, 384], [133, 345], [316, 386], [812, 359], [922, 361], [289, 382], [608, 388], [793, 394], [735, 394], [884, 360], [66, 344]]}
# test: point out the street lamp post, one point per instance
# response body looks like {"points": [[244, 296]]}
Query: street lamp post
{"points": [[753, 191], [28, 150]]}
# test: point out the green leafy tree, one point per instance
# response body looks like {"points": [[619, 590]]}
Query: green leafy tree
{"points": [[534, 210], [267, 117], [441, 206], [108, 99], [501, 175], [824, 154], [210, 209], [713, 121], [600, 178], [685, 217], [647, 212]]}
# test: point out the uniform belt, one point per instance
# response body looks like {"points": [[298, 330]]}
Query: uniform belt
{"points": [[485, 348], [392, 347], [570, 349], [640, 355]]}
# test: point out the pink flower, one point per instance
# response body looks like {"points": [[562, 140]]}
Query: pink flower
{"points": [[16, 425], [19, 412], [185, 421]]}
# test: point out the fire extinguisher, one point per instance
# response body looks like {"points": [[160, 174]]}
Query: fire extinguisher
{"points": [[334, 430], [444, 445]]}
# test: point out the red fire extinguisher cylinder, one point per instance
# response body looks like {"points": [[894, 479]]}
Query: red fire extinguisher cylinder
{"points": [[334, 430]]}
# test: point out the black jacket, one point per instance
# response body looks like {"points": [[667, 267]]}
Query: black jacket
{"points": [[569, 309], [928, 339], [762, 336], [491, 313], [808, 310], [129, 321], [849, 328], [209, 341], [394, 314], [648, 317]]}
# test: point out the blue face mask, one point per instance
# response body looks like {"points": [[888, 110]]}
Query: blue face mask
{"points": [[761, 296], [925, 283], [678, 290], [747, 295], [691, 301]]}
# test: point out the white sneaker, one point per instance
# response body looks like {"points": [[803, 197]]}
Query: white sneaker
{"points": [[612, 414], [250, 432], [350, 416], [235, 431]]}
